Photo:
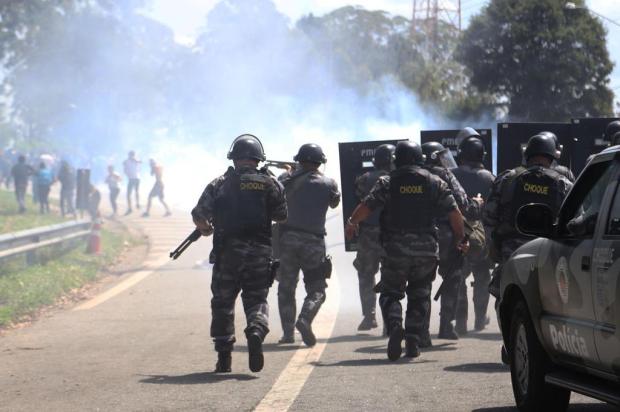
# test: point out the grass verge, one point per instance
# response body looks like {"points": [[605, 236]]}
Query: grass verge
{"points": [[11, 221], [23, 290]]}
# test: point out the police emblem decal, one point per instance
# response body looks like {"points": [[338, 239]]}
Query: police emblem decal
{"points": [[562, 279]]}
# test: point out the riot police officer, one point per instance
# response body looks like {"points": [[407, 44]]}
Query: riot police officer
{"points": [[537, 182], [563, 170], [238, 208], [439, 162], [368, 244], [611, 132], [309, 193], [476, 181], [409, 241]]}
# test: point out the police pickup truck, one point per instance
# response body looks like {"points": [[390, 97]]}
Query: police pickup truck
{"points": [[559, 305]]}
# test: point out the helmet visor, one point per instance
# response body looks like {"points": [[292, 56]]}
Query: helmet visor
{"points": [[445, 158]]}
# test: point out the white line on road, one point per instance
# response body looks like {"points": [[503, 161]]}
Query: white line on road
{"points": [[124, 285], [292, 379]]}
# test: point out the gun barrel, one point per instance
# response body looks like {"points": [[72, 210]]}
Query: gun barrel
{"points": [[194, 236]]}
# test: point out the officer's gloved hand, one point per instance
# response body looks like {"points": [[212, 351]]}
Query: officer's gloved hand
{"points": [[351, 230], [479, 199], [463, 246], [204, 226]]}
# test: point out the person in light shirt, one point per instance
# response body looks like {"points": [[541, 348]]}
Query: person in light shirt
{"points": [[131, 166]]}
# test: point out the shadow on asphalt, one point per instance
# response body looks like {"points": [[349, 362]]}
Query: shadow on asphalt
{"points": [[478, 368], [195, 378], [355, 338], [483, 336], [372, 362], [589, 407], [273, 347], [381, 348]]}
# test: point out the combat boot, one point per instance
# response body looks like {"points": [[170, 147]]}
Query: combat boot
{"points": [[481, 323], [369, 322], [304, 327], [255, 352], [287, 337], [446, 330], [461, 326], [224, 362], [411, 347], [394, 348], [425, 340]]}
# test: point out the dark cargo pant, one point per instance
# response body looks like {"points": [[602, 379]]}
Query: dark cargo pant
{"points": [[366, 262], [448, 259], [482, 277], [305, 251], [403, 274], [242, 266]]}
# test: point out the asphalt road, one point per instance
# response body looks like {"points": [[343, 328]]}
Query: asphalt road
{"points": [[143, 345]]}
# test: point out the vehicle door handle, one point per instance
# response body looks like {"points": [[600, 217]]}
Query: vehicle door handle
{"points": [[585, 263]]}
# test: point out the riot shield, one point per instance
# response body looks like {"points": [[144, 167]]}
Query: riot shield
{"points": [[355, 160], [588, 139], [512, 139], [448, 139]]}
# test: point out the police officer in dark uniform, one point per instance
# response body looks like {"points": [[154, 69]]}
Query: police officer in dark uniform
{"points": [[611, 132], [368, 243], [411, 199], [309, 193], [238, 209], [439, 162], [538, 182], [476, 181]]}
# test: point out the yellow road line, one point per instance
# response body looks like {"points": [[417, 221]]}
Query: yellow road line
{"points": [[292, 379]]}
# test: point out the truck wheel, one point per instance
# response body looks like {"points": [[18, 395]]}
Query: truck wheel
{"points": [[528, 365]]}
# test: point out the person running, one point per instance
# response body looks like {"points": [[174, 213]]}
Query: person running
{"points": [[157, 190], [113, 181], [131, 165]]}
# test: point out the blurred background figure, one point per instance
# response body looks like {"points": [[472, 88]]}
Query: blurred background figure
{"points": [[113, 180], [5, 168], [158, 188], [20, 173], [94, 200], [44, 179], [131, 166], [66, 177]]}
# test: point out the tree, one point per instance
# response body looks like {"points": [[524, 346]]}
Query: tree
{"points": [[539, 60]]}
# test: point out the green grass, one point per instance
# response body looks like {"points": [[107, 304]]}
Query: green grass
{"points": [[11, 221], [24, 289]]}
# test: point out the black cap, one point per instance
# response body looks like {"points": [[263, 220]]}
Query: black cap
{"points": [[310, 152], [246, 146], [408, 153], [465, 133]]}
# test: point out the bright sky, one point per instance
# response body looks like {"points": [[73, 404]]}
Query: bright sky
{"points": [[186, 17]]}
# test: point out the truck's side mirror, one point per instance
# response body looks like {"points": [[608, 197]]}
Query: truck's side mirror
{"points": [[535, 220]]}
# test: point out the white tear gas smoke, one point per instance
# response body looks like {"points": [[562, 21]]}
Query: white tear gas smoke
{"points": [[249, 72]]}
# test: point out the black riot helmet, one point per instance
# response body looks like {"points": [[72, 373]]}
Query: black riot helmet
{"points": [[311, 153], [246, 146], [471, 149], [615, 139], [558, 147], [384, 156], [540, 145], [430, 151], [611, 129], [408, 153], [466, 133]]}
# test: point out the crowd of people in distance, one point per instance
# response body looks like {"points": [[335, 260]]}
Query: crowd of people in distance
{"points": [[42, 171]]}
